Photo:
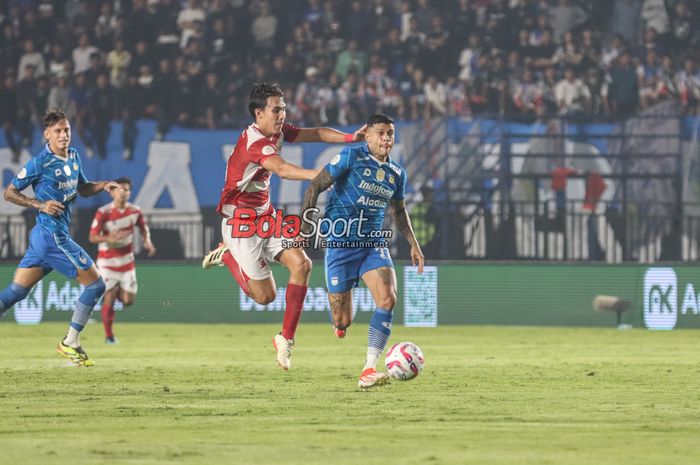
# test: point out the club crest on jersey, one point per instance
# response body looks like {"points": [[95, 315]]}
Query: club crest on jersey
{"points": [[57, 172], [380, 175], [367, 172], [66, 169]]}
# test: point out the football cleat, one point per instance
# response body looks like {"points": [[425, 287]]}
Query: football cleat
{"points": [[339, 333], [214, 257], [371, 378], [283, 346], [76, 355], [111, 340]]}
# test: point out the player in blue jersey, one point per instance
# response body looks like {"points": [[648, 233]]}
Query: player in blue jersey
{"points": [[365, 181], [56, 176]]}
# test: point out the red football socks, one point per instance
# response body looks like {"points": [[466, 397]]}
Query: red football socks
{"points": [[108, 319], [292, 313]]}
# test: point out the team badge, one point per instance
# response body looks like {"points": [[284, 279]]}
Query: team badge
{"points": [[268, 150], [380, 175], [391, 179], [22, 174], [335, 160], [367, 172], [83, 260], [57, 172], [334, 281], [66, 169], [75, 166]]}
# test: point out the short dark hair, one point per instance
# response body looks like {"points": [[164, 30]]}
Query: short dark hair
{"points": [[260, 93], [379, 118], [53, 116], [123, 180]]}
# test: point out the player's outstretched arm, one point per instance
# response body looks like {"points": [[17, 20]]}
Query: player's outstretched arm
{"points": [[285, 170], [50, 207], [88, 189], [330, 135], [403, 224], [320, 183]]}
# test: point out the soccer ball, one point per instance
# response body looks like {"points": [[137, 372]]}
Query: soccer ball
{"points": [[404, 361]]}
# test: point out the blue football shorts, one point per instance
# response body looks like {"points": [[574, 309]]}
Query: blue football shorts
{"points": [[55, 251], [345, 266]]}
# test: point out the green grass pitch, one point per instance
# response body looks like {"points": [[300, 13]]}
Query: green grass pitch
{"points": [[212, 394]]}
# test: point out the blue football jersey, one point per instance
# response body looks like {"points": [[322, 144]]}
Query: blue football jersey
{"points": [[53, 178], [362, 184]]}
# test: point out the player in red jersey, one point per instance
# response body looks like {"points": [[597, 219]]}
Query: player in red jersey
{"points": [[250, 165], [113, 229]]}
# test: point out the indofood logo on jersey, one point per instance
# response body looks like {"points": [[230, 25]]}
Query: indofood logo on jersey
{"points": [[661, 302], [46, 296], [68, 184]]}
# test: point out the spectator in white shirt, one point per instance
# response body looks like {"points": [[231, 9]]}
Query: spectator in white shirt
{"points": [[82, 53], [572, 94]]}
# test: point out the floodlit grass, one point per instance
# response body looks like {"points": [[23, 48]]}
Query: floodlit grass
{"points": [[212, 394]]}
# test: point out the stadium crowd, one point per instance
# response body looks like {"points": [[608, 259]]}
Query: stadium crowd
{"points": [[192, 62]]}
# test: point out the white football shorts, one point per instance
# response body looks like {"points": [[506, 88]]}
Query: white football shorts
{"points": [[252, 253]]}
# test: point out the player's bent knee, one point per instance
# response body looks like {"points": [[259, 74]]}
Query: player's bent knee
{"points": [[387, 302], [303, 265], [265, 298]]}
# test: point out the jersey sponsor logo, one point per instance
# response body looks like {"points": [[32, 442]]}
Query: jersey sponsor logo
{"points": [[376, 189], [370, 202], [22, 174], [70, 184], [268, 150], [335, 160], [66, 169]]}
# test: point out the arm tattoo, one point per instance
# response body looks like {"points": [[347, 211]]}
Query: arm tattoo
{"points": [[403, 222], [12, 194], [320, 183]]}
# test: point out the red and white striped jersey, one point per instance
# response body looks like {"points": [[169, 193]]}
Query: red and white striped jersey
{"points": [[247, 182], [117, 256]]}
